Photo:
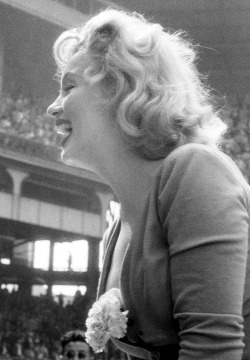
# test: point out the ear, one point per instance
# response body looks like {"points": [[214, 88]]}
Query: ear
{"points": [[103, 38]]}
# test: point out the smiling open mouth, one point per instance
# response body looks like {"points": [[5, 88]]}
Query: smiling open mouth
{"points": [[63, 127]]}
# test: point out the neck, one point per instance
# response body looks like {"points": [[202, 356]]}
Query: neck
{"points": [[130, 177]]}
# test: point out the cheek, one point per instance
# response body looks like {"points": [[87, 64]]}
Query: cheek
{"points": [[70, 113], [73, 105]]}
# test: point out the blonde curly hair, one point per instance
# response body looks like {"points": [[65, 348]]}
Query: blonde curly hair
{"points": [[159, 98]]}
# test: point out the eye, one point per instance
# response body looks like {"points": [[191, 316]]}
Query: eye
{"points": [[70, 355], [69, 87], [81, 355]]}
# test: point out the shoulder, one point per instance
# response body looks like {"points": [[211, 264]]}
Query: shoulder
{"points": [[196, 152], [201, 191], [201, 160], [196, 170]]}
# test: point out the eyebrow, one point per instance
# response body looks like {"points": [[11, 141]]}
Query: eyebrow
{"points": [[69, 75], [66, 76]]}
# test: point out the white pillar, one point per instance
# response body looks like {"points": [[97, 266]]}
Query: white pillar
{"points": [[17, 178]]}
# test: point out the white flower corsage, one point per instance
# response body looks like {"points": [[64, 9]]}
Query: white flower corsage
{"points": [[105, 319]]}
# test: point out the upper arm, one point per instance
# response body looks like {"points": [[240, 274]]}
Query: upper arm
{"points": [[204, 214]]}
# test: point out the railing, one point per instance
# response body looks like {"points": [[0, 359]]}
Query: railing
{"points": [[53, 216]]}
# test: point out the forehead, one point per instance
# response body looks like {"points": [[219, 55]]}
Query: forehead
{"points": [[77, 346], [77, 64]]}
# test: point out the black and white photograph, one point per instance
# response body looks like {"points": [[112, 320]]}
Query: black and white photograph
{"points": [[124, 179]]}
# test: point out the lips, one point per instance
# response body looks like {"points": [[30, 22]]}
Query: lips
{"points": [[63, 127]]}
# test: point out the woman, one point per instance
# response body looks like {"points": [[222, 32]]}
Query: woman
{"points": [[74, 346], [133, 110]]}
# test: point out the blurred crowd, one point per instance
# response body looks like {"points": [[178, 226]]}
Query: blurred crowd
{"points": [[27, 119], [31, 327], [237, 144]]}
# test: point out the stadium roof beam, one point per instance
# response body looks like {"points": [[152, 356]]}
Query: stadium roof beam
{"points": [[109, 3], [51, 11]]}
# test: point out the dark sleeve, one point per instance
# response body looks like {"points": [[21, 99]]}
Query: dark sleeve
{"points": [[246, 313], [204, 210]]}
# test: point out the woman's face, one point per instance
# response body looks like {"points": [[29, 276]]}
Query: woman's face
{"points": [[76, 350], [80, 116]]}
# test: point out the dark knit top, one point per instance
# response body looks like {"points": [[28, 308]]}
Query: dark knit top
{"points": [[183, 273]]}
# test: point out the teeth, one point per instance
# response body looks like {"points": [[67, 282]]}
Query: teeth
{"points": [[64, 128]]}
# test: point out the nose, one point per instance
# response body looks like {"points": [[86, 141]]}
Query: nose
{"points": [[55, 108]]}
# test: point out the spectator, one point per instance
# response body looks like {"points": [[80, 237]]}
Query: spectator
{"points": [[74, 346]]}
